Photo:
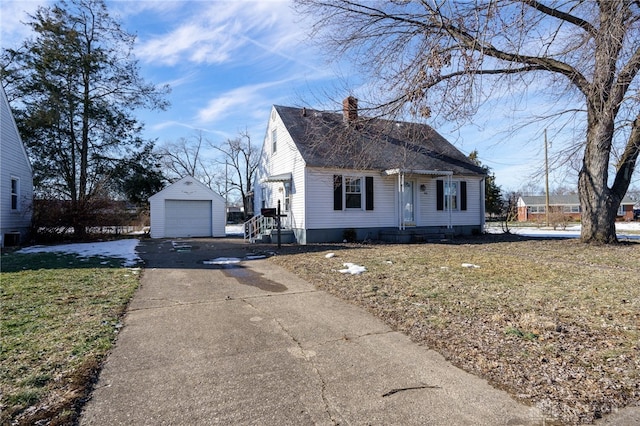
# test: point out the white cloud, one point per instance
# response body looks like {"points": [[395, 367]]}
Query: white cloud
{"points": [[245, 98], [214, 32], [13, 15]]}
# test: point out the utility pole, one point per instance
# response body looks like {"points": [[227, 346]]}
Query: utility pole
{"points": [[226, 183], [546, 176]]}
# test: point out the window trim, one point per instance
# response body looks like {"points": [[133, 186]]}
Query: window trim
{"points": [[442, 197], [340, 193], [352, 195], [286, 197], [274, 140], [15, 194]]}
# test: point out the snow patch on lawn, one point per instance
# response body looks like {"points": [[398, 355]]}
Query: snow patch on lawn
{"points": [[121, 249], [352, 268]]}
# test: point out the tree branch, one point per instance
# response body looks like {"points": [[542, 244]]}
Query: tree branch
{"points": [[567, 17]]}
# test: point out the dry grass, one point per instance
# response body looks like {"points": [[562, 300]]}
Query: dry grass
{"points": [[554, 322], [60, 317]]}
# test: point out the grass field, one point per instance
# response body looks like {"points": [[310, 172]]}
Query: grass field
{"points": [[554, 322], [60, 317]]}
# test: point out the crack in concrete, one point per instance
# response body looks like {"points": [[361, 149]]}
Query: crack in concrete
{"points": [[393, 391], [262, 296], [175, 303], [347, 338], [323, 383]]}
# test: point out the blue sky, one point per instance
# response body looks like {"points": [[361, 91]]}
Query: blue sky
{"points": [[227, 62]]}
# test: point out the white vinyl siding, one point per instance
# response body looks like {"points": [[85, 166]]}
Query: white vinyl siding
{"points": [[429, 215], [320, 212], [287, 160], [16, 178]]}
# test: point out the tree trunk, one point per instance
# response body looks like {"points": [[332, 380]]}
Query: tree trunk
{"points": [[599, 204], [599, 211]]}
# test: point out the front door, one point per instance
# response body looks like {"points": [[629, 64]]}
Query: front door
{"points": [[408, 205]]}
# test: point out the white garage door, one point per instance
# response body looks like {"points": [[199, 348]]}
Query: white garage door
{"points": [[187, 218]]}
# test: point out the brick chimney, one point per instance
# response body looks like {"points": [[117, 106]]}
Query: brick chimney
{"points": [[350, 109]]}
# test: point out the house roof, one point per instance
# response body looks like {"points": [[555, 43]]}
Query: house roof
{"points": [[188, 187], [558, 200], [325, 140]]}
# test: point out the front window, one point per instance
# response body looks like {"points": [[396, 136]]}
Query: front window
{"points": [[353, 192], [451, 195], [15, 193]]}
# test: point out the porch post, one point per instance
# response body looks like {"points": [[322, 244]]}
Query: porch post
{"points": [[450, 198], [401, 195], [399, 205]]}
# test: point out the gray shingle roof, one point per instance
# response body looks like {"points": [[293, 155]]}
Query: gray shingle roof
{"points": [[325, 140]]}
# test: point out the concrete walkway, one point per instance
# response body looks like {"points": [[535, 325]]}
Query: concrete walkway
{"points": [[255, 345]]}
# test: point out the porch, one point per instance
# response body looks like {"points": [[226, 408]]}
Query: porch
{"points": [[264, 229]]}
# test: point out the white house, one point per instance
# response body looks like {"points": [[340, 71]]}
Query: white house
{"points": [[187, 208], [338, 175], [16, 180]]}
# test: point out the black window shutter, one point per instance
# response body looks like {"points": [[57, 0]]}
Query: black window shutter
{"points": [[440, 194], [368, 188], [463, 195], [337, 192]]}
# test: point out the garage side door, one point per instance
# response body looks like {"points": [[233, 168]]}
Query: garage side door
{"points": [[187, 218]]}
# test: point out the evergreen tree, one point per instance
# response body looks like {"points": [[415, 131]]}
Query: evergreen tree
{"points": [[493, 202], [77, 87]]}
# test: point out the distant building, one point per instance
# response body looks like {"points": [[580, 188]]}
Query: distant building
{"points": [[235, 214], [532, 208]]}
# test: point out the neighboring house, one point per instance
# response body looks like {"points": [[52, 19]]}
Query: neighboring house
{"points": [[235, 214], [339, 176], [16, 181], [187, 208], [533, 208]]}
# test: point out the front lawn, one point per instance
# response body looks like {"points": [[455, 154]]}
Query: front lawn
{"points": [[60, 317], [554, 322]]}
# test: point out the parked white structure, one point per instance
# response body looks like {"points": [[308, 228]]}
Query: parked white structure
{"points": [[16, 180], [337, 174], [187, 208]]}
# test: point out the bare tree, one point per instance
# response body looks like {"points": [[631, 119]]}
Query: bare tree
{"points": [[241, 160], [186, 157], [447, 58]]}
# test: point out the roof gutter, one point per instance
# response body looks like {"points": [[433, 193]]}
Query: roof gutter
{"points": [[389, 172]]}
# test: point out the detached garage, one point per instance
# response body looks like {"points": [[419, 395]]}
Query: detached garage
{"points": [[187, 208]]}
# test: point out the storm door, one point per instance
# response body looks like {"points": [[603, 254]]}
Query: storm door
{"points": [[408, 204]]}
